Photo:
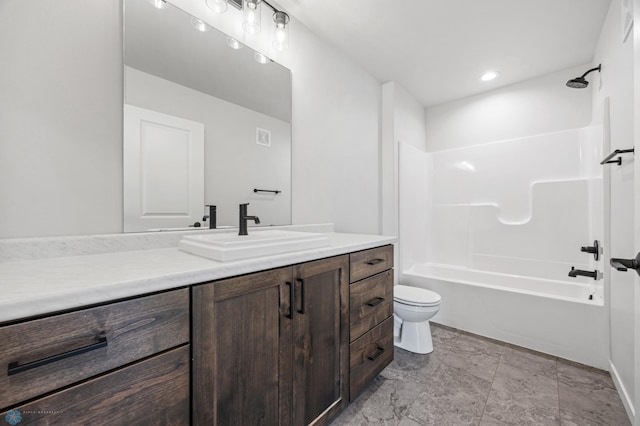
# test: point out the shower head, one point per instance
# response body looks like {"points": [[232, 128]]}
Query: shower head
{"points": [[581, 82]]}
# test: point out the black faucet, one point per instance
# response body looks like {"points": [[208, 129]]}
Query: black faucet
{"points": [[211, 216], [244, 218], [579, 272]]}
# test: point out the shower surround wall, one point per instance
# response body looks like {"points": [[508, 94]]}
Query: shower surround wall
{"points": [[506, 220]]}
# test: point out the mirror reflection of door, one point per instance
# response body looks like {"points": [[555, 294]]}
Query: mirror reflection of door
{"points": [[163, 170]]}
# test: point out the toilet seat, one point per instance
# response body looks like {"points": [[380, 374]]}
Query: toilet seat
{"points": [[415, 296]]}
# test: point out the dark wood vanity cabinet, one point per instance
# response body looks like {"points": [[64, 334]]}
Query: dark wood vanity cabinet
{"points": [[124, 362], [288, 346], [271, 348], [371, 316]]}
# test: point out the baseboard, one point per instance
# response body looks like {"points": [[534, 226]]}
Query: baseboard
{"points": [[622, 391]]}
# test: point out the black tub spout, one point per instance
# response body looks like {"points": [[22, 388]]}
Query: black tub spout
{"points": [[596, 275]]}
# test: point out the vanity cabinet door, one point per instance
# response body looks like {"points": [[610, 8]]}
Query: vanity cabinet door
{"points": [[321, 331], [242, 334]]}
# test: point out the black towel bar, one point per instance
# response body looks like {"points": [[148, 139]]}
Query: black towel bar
{"points": [[618, 161], [275, 191]]}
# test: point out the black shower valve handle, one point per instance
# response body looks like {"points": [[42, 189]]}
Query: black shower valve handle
{"points": [[623, 265], [595, 250]]}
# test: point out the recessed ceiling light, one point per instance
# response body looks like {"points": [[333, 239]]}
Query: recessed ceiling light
{"points": [[489, 75], [199, 24], [234, 44], [158, 4], [261, 59]]}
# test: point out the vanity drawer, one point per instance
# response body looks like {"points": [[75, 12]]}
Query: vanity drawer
{"points": [[369, 355], [151, 392], [365, 263], [370, 303], [42, 355]]}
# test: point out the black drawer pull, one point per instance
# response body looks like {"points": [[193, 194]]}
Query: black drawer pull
{"points": [[375, 356], [375, 261], [375, 302], [15, 368]]}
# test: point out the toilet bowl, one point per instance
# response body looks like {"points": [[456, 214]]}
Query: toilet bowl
{"points": [[413, 307]]}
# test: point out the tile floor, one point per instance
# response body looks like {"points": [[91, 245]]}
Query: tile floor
{"points": [[471, 380]]}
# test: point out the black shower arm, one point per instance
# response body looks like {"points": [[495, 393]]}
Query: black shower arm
{"points": [[591, 70]]}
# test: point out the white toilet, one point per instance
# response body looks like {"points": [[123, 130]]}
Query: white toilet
{"points": [[413, 307]]}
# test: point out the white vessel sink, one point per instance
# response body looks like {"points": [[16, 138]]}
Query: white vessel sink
{"points": [[230, 246]]}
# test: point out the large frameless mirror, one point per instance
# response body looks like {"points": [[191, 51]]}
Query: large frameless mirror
{"points": [[207, 121]]}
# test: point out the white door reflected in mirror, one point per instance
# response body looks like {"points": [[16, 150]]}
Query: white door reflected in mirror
{"points": [[163, 170]]}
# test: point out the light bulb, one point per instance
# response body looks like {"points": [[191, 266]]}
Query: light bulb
{"points": [[489, 75], [251, 23], [260, 58], [281, 40], [199, 24], [158, 4], [234, 44], [218, 6]]}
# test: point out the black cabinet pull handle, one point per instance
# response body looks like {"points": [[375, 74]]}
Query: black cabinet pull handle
{"points": [[376, 301], [292, 298], [375, 261], [301, 310], [15, 368], [375, 356]]}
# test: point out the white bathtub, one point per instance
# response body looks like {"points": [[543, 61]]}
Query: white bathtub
{"points": [[562, 318]]}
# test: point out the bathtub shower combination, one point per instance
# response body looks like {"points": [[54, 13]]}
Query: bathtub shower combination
{"points": [[496, 228]]}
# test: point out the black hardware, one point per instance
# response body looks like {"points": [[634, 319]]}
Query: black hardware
{"points": [[292, 298], [301, 310], [594, 250], [375, 302], [618, 161], [275, 191], [375, 356], [212, 216], [579, 272], [623, 265], [196, 225], [244, 218], [375, 261], [15, 368]]}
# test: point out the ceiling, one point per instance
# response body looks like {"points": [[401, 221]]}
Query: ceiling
{"points": [[438, 49]]}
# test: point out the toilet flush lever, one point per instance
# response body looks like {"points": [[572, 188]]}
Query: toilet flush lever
{"points": [[623, 265]]}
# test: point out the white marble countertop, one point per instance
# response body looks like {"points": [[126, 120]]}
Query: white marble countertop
{"points": [[35, 287]]}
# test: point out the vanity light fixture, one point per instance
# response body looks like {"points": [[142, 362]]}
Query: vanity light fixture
{"points": [[281, 41], [158, 4], [199, 24], [234, 44], [251, 23], [261, 59], [218, 6], [489, 75]]}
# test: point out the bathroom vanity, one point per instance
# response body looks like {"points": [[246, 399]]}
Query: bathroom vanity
{"points": [[283, 340]]}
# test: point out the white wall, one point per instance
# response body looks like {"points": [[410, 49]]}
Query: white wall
{"points": [[536, 106], [616, 83], [234, 163], [60, 117], [402, 121], [61, 120]]}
